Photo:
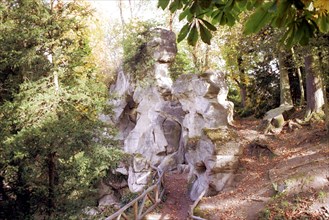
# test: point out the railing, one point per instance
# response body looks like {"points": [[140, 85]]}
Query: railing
{"points": [[138, 204], [196, 202]]}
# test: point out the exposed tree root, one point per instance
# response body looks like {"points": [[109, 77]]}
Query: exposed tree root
{"points": [[311, 117], [273, 125], [273, 121]]}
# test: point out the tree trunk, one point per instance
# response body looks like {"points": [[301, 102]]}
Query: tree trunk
{"points": [[51, 183], [195, 57], [242, 83], [171, 20], [314, 93], [285, 95], [56, 83], [121, 13], [131, 10], [206, 59], [299, 74], [243, 93], [324, 90]]}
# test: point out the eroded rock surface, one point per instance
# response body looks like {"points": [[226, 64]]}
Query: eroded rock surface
{"points": [[184, 123]]}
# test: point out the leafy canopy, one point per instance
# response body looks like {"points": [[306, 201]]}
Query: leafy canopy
{"points": [[300, 18]]}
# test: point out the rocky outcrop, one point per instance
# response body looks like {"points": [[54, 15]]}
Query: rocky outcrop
{"points": [[166, 124], [148, 120], [211, 150]]}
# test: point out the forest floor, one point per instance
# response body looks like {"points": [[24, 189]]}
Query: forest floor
{"points": [[283, 176]]}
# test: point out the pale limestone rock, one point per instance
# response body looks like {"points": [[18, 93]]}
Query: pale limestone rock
{"points": [[194, 93], [204, 98], [221, 163], [139, 174], [108, 200], [183, 168], [137, 181], [199, 184], [218, 181], [168, 163], [162, 48], [122, 88], [164, 122], [90, 211], [172, 131], [140, 164], [106, 195]]}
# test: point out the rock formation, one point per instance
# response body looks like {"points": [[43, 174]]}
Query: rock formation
{"points": [[166, 124], [211, 150]]}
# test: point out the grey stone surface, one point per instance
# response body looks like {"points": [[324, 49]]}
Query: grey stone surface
{"points": [[164, 122]]}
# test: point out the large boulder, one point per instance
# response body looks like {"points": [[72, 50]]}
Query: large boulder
{"points": [[166, 124], [149, 122], [210, 151]]}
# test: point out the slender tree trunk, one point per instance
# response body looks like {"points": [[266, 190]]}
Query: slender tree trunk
{"points": [[51, 183], [121, 13], [206, 59], [23, 196], [285, 94], [299, 74], [3, 193], [131, 10], [242, 83], [171, 20], [195, 57], [52, 54], [326, 107], [314, 93], [56, 83], [324, 90]]}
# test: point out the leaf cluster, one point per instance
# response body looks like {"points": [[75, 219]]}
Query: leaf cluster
{"points": [[301, 19]]}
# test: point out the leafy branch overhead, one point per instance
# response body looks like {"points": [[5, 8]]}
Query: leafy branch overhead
{"points": [[300, 19]]}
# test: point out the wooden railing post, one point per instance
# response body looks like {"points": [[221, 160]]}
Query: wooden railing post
{"points": [[138, 208], [156, 194], [196, 202]]}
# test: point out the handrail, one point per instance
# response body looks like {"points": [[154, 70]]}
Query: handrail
{"points": [[196, 202], [138, 206]]}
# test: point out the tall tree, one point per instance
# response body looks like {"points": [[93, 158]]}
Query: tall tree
{"points": [[285, 95], [53, 145], [314, 92]]}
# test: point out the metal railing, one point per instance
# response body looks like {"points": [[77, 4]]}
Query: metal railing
{"points": [[136, 207]]}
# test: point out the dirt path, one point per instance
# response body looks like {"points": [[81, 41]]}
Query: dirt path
{"points": [[253, 190], [177, 201]]}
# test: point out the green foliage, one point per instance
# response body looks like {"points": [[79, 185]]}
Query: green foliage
{"points": [[258, 20], [182, 63], [128, 197], [264, 91], [252, 64], [136, 59], [53, 147], [300, 19]]}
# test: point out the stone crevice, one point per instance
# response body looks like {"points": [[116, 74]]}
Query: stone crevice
{"points": [[164, 123]]}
